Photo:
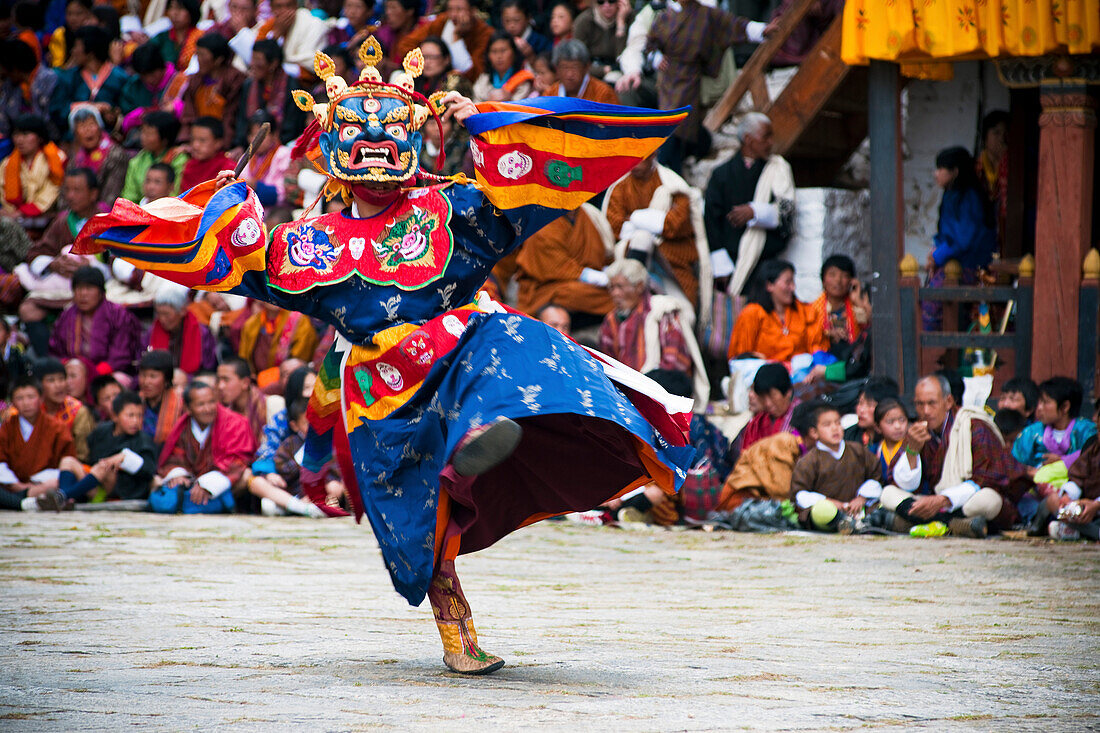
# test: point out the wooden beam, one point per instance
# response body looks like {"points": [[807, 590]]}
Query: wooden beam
{"points": [[887, 216], [806, 94], [757, 65]]}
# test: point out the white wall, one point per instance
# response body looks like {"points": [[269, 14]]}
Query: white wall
{"points": [[938, 115]]}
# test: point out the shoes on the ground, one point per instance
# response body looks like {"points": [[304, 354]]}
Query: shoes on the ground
{"points": [[269, 508], [930, 529], [973, 527], [486, 446], [1063, 531], [51, 501], [593, 517], [630, 515]]}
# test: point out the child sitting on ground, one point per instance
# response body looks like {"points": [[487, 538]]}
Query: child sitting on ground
{"points": [[122, 457], [207, 155], [874, 391], [280, 500], [1010, 422], [1075, 508], [835, 479], [32, 445], [901, 465], [1058, 434]]}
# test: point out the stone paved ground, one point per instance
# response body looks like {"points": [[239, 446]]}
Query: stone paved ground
{"points": [[116, 621]]}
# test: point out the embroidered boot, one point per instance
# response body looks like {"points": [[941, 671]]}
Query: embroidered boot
{"points": [[456, 626]]}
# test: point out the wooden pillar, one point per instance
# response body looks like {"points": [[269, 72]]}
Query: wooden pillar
{"points": [[909, 323], [1067, 144], [1088, 330], [887, 214]]}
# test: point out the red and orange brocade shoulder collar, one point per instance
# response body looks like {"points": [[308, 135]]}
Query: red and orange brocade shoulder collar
{"points": [[408, 245]]}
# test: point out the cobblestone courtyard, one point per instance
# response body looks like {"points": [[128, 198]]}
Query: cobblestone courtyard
{"points": [[115, 621]]}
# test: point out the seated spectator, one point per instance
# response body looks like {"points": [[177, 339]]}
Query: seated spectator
{"points": [[237, 392], [775, 325], [13, 361], [563, 17], [749, 215], [122, 458], [267, 168], [204, 461], [964, 231], [26, 87], [772, 387], [1010, 423], [963, 491], [31, 174], [240, 16], [177, 44], [300, 33], [299, 385], [1019, 394], [30, 442], [155, 85], [844, 312], [354, 25], [57, 403], [94, 329], [656, 212], [571, 61], [104, 388], [76, 380], [505, 78], [515, 20], [1070, 513], [643, 331], [158, 137], [437, 66], [94, 150], [163, 404], [399, 19], [556, 318], [47, 275], [836, 479], [92, 77], [874, 391], [160, 182], [78, 14], [602, 29], [806, 34], [273, 335], [546, 77], [466, 35], [901, 464], [177, 330], [214, 91], [268, 89], [279, 492], [563, 263], [207, 157], [1057, 435]]}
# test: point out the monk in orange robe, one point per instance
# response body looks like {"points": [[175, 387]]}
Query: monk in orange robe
{"points": [[635, 192], [552, 262]]}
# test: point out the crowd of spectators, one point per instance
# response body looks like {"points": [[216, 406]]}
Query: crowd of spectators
{"points": [[121, 386]]}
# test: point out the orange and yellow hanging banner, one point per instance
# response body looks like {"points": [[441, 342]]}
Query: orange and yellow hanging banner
{"points": [[922, 32]]}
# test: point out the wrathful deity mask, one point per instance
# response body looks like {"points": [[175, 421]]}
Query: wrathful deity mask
{"points": [[369, 131]]}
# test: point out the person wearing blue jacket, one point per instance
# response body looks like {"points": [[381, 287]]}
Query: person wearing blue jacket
{"points": [[963, 233]]}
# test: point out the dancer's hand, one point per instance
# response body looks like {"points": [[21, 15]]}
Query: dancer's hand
{"points": [[224, 179], [458, 107]]}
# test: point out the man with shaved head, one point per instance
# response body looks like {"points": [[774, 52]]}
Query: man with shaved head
{"points": [[965, 465]]}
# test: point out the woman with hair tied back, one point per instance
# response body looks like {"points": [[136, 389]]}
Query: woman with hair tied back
{"points": [[775, 324]]}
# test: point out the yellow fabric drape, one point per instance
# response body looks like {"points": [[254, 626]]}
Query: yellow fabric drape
{"points": [[924, 32]]}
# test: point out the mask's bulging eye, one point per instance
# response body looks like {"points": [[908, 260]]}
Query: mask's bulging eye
{"points": [[397, 132], [350, 132]]}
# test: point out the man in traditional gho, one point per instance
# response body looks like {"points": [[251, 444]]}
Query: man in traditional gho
{"points": [[453, 420]]}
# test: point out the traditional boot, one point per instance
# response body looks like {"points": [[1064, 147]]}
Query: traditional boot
{"points": [[486, 446], [456, 626]]}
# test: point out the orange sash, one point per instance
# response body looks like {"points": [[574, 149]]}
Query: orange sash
{"points": [[13, 187]]}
